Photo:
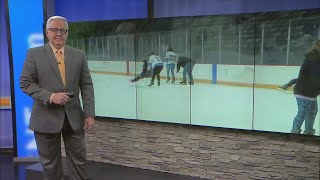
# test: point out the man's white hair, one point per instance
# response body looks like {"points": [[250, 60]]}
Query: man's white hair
{"points": [[56, 17]]}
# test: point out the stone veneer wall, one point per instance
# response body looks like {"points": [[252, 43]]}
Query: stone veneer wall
{"points": [[212, 153]]}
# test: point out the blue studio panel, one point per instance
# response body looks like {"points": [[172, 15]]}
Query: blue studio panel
{"points": [[25, 33]]}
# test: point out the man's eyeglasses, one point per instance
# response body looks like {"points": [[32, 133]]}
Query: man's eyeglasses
{"points": [[56, 30]]}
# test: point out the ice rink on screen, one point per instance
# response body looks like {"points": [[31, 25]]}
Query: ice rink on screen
{"points": [[201, 104]]}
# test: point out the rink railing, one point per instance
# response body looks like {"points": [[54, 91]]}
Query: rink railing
{"points": [[259, 76]]}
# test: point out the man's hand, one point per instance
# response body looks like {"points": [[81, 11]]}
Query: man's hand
{"points": [[60, 98], [88, 123]]}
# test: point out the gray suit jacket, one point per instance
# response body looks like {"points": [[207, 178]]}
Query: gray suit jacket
{"points": [[40, 78]]}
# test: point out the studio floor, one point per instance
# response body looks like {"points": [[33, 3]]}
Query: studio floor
{"points": [[10, 170]]}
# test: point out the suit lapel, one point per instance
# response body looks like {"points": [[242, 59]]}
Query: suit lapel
{"points": [[52, 60], [68, 63]]}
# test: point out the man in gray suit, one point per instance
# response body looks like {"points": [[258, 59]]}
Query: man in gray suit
{"points": [[53, 75]]}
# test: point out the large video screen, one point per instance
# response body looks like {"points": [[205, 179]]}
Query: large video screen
{"points": [[223, 71]]}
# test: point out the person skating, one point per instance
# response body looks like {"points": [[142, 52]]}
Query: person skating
{"points": [[306, 91], [187, 64], [156, 64], [171, 59], [143, 74]]}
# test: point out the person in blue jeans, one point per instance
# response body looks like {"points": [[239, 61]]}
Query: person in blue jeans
{"points": [[187, 64], [306, 91], [171, 59]]}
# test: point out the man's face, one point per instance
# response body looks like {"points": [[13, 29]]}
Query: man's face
{"points": [[57, 33]]}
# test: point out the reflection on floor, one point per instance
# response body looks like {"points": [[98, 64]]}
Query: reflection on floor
{"points": [[96, 171], [10, 170]]}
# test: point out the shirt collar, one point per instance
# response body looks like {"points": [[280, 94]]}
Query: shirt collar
{"points": [[55, 49]]}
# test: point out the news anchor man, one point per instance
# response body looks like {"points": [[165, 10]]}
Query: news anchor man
{"points": [[53, 75]]}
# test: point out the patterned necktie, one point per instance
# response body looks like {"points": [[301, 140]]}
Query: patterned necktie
{"points": [[61, 65]]}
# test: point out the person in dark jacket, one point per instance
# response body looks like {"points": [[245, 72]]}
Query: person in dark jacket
{"points": [[306, 91], [187, 64], [143, 74]]}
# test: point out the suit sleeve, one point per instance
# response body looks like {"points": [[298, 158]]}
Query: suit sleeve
{"points": [[29, 81], [86, 87]]}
